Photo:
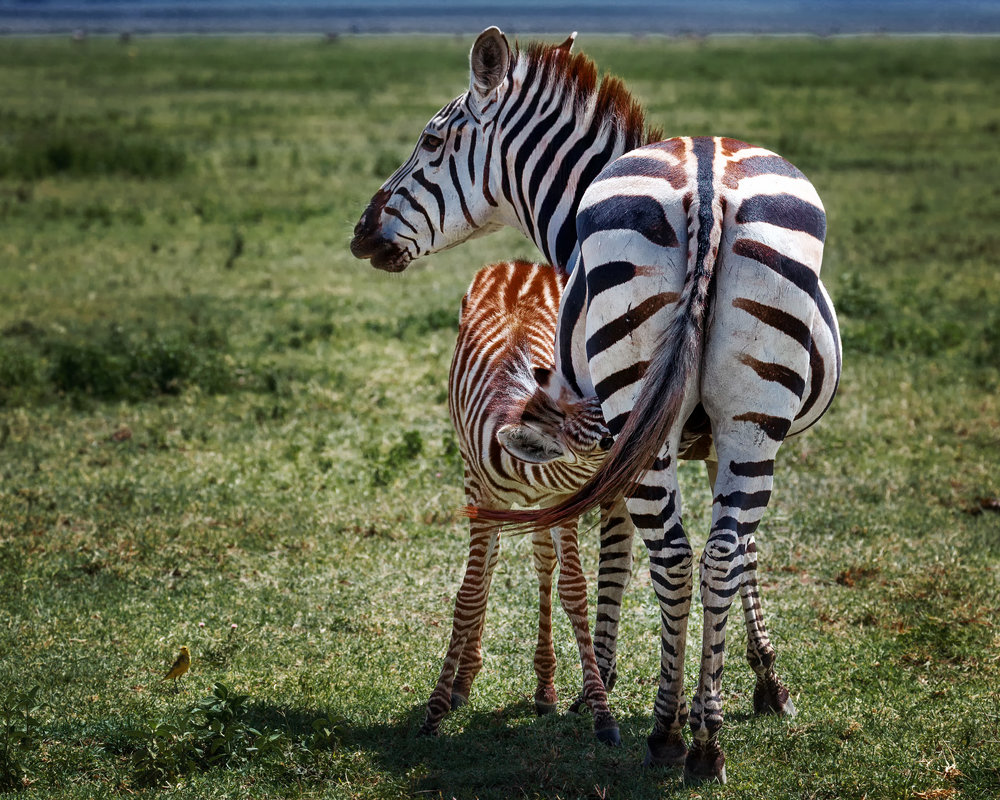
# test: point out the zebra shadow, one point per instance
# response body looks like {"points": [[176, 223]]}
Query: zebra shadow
{"points": [[508, 752]]}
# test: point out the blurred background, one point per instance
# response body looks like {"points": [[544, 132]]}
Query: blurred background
{"points": [[388, 16]]}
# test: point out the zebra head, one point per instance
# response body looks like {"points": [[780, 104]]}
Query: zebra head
{"points": [[555, 424], [439, 197]]}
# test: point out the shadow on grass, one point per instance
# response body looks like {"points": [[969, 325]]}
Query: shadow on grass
{"points": [[509, 752]]}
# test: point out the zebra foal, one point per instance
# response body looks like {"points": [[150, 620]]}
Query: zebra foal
{"points": [[526, 439], [694, 312]]}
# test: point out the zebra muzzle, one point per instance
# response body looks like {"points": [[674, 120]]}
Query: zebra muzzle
{"points": [[369, 241]]}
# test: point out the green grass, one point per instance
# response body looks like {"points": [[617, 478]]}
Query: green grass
{"points": [[210, 413]]}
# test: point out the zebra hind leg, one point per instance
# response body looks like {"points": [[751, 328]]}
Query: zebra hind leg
{"points": [[544, 558], [469, 665], [613, 576], [654, 507], [741, 493], [470, 609], [770, 694]]}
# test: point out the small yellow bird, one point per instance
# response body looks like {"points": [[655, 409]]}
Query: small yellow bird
{"points": [[180, 666]]}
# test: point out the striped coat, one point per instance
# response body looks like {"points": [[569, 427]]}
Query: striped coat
{"points": [[504, 397]]}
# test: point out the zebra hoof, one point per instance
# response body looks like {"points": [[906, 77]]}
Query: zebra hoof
{"points": [[771, 697], [665, 751], [427, 730], [458, 700], [705, 765], [610, 736]]}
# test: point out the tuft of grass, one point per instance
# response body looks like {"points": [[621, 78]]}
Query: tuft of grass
{"points": [[112, 362], [89, 154], [18, 727]]}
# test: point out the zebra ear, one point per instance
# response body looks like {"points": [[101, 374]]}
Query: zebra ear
{"points": [[567, 46], [529, 444], [488, 61]]}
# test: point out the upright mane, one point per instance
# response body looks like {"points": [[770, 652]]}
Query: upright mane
{"points": [[608, 101]]}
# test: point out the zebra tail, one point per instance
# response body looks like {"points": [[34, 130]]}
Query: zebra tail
{"points": [[675, 362]]}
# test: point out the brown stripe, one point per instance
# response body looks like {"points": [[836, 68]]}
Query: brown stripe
{"points": [[774, 427], [776, 373], [777, 319]]}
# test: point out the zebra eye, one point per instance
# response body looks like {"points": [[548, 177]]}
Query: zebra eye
{"points": [[605, 443], [430, 142]]}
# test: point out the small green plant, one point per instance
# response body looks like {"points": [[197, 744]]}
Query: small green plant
{"points": [[326, 735], [387, 464], [214, 733], [17, 725]]}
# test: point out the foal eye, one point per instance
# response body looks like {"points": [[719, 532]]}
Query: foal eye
{"points": [[605, 443], [431, 142]]}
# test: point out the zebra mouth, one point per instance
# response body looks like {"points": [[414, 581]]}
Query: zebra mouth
{"points": [[386, 256], [395, 261]]}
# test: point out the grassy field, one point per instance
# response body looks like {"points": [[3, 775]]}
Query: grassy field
{"points": [[218, 429]]}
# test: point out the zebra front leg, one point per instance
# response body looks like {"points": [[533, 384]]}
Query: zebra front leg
{"points": [[573, 596], [654, 506], [613, 576], [770, 696], [470, 609], [742, 491], [544, 558]]}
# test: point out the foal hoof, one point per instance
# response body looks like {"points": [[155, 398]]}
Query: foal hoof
{"points": [[771, 697], [665, 751], [579, 705], [610, 736], [545, 699], [458, 700], [543, 708], [427, 730], [704, 765]]}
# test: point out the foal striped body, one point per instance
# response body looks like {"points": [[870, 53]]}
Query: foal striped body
{"points": [[694, 313], [498, 388]]}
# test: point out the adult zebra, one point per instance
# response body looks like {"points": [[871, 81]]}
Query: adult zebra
{"points": [[697, 318]]}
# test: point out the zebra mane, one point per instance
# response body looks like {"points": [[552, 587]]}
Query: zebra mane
{"points": [[613, 104]]}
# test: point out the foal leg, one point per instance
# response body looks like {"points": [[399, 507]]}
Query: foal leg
{"points": [[470, 609], [573, 596], [544, 558]]}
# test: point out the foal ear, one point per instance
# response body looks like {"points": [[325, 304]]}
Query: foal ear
{"points": [[489, 61], [529, 444]]}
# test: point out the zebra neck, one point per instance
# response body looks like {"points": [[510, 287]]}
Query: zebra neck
{"points": [[550, 148]]}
